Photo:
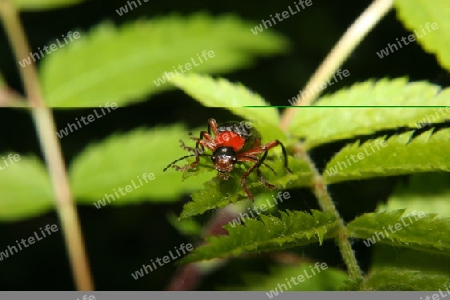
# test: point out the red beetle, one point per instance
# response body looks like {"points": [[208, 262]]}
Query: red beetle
{"points": [[232, 143]]}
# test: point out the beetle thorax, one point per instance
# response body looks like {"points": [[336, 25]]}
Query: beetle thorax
{"points": [[230, 139]]}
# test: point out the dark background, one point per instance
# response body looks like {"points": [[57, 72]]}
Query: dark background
{"points": [[120, 240]]}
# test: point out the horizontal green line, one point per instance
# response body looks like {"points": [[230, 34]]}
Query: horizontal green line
{"points": [[349, 106]]}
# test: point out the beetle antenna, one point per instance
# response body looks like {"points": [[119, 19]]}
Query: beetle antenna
{"points": [[184, 157]]}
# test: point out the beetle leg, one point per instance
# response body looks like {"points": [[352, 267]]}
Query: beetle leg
{"points": [[249, 171], [263, 180], [183, 145], [258, 172], [212, 125], [205, 140], [200, 145], [266, 147]]}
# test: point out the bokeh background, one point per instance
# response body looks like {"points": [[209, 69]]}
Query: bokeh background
{"points": [[120, 239]]}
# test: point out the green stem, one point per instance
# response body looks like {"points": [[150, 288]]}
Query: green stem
{"points": [[326, 203], [45, 127], [341, 51]]}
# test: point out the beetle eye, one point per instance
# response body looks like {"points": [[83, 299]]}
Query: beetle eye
{"points": [[234, 159]]}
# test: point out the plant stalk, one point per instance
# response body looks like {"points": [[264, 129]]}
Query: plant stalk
{"points": [[326, 203], [340, 52], [45, 127]]}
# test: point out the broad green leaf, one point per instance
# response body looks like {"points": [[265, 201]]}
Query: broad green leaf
{"points": [[34, 5], [319, 125], [141, 54], [428, 192], [351, 284], [394, 279], [269, 199], [218, 193], [25, 188], [418, 231], [326, 279], [400, 154], [270, 233], [122, 160], [385, 256], [232, 96], [188, 227], [429, 22], [222, 93]]}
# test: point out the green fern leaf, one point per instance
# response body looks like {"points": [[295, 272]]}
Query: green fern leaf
{"points": [[428, 192], [291, 230], [328, 279], [323, 125], [222, 93], [435, 38], [385, 256], [25, 188], [122, 160], [394, 279], [421, 231], [139, 54], [218, 193], [34, 5], [189, 227], [398, 155]]}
